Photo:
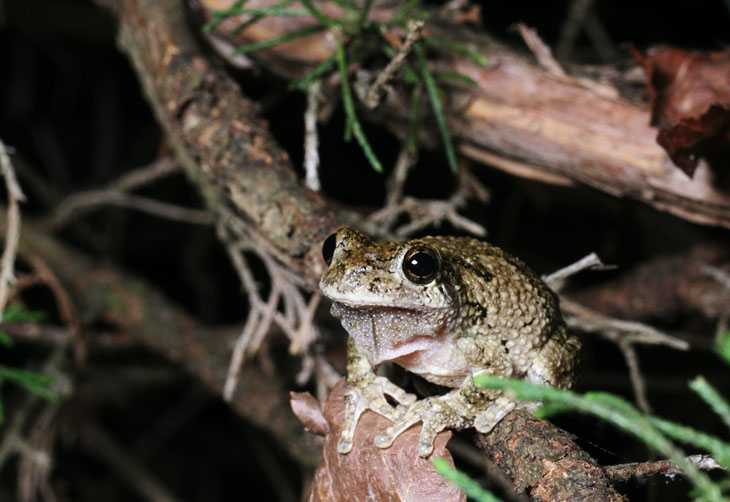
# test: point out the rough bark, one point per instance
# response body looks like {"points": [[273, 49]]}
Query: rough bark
{"points": [[544, 461]]}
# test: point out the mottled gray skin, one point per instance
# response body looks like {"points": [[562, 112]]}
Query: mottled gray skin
{"points": [[484, 312]]}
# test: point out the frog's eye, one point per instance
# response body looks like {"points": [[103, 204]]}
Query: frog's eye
{"points": [[328, 248], [421, 264]]}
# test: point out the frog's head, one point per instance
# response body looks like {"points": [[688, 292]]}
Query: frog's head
{"points": [[367, 274]]}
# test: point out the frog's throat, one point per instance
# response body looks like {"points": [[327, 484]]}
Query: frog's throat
{"points": [[390, 334]]}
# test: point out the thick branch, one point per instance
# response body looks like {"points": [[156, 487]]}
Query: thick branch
{"points": [[224, 147]]}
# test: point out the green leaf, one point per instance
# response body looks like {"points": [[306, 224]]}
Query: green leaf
{"points": [[436, 106], [286, 37], [349, 106], [462, 481]]}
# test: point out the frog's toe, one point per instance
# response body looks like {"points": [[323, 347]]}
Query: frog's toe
{"points": [[485, 421], [401, 396], [386, 439]]}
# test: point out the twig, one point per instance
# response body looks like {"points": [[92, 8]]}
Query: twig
{"points": [[12, 236], [556, 280], [66, 308], [626, 472], [374, 94], [295, 320], [585, 319], [637, 381], [311, 138], [573, 22], [540, 50], [424, 213], [719, 275], [83, 202]]}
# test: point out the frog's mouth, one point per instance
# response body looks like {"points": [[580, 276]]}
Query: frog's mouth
{"points": [[385, 333]]}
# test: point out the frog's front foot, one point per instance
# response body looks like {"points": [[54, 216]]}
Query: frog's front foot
{"points": [[436, 414], [369, 394]]}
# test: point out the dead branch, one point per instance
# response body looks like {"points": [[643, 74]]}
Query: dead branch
{"points": [[527, 121], [626, 472]]}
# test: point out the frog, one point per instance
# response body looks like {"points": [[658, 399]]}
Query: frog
{"points": [[447, 309]]}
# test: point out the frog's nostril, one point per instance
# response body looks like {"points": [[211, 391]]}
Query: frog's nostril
{"points": [[328, 248]]}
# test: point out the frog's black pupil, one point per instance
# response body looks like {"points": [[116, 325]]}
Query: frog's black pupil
{"points": [[421, 264], [328, 248]]}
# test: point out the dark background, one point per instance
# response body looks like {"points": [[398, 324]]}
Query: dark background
{"points": [[71, 106]]}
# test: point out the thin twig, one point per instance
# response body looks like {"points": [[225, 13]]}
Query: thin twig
{"points": [[637, 381], [626, 472], [84, 202], [12, 236], [425, 213], [295, 320], [585, 319], [572, 25], [557, 279], [311, 138], [375, 93], [540, 50]]}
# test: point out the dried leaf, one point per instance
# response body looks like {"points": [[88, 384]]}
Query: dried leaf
{"points": [[309, 412], [690, 101], [394, 474]]}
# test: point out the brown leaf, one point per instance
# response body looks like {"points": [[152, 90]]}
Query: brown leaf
{"points": [[690, 101], [394, 474], [309, 412]]}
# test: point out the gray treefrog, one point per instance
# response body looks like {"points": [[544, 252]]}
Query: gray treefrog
{"points": [[447, 309]]}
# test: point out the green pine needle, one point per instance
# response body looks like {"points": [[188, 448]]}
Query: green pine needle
{"points": [[620, 413], [722, 345], [349, 106], [318, 15], [708, 393], [322, 68], [462, 481], [716, 446], [437, 107], [286, 37], [455, 75], [33, 382], [462, 49]]}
